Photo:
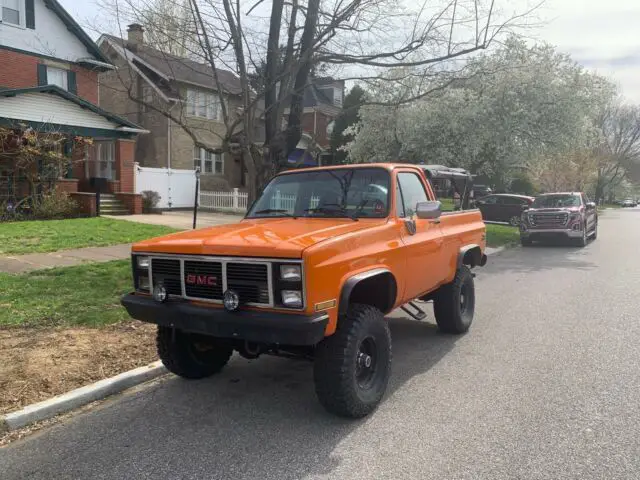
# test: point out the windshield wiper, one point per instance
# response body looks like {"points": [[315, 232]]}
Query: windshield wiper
{"points": [[331, 211], [275, 210]]}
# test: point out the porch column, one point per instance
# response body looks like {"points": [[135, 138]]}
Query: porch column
{"points": [[125, 165]]}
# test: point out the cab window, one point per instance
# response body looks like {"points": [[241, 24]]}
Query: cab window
{"points": [[412, 192]]}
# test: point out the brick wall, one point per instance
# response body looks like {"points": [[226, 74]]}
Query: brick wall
{"points": [[133, 202], [86, 202], [125, 166], [21, 71]]}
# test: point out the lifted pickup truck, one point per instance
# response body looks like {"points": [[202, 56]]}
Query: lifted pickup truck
{"points": [[311, 271]]}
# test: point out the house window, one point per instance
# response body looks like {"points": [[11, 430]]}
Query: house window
{"points": [[12, 11], [101, 158], [208, 161], [203, 104], [57, 76]]}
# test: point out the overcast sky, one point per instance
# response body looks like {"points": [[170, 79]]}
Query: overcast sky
{"points": [[600, 34]]}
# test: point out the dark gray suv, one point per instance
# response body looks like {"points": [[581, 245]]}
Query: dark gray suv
{"points": [[560, 215]]}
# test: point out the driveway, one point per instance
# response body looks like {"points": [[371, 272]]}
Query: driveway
{"points": [[544, 386]]}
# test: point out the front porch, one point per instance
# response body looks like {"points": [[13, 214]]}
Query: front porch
{"points": [[96, 148]]}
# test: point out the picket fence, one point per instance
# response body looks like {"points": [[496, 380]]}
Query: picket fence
{"points": [[237, 201]]}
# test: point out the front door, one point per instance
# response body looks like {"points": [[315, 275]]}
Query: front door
{"points": [[422, 239]]}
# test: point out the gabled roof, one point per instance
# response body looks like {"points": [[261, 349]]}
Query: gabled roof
{"points": [[55, 90], [76, 29], [176, 68]]}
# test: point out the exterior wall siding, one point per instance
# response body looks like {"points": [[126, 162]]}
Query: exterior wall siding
{"points": [[29, 107], [51, 36]]}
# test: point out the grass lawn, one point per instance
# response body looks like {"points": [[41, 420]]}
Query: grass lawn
{"points": [[502, 235], [43, 236], [87, 295]]}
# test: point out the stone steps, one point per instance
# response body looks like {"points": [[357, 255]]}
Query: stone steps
{"points": [[110, 205]]}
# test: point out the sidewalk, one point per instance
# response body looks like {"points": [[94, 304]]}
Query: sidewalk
{"points": [[63, 258], [182, 219]]}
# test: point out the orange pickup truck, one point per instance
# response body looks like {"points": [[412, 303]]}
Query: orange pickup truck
{"points": [[311, 271]]}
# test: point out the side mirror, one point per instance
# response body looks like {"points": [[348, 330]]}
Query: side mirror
{"points": [[591, 205], [428, 210]]}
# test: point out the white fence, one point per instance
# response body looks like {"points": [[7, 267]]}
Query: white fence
{"points": [[236, 201], [177, 188]]}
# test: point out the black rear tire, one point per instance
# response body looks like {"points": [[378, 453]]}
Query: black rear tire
{"points": [[454, 304], [347, 383], [191, 356]]}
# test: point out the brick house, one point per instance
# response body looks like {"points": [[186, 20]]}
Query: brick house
{"points": [[49, 82], [188, 89]]}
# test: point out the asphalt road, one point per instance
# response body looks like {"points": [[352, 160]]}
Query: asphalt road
{"points": [[546, 385]]}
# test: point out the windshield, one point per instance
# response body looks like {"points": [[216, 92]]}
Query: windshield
{"points": [[357, 192], [556, 201]]}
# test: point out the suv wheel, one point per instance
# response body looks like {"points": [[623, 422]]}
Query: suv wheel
{"points": [[191, 356], [353, 365], [514, 221], [525, 242], [594, 235], [582, 241], [454, 303]]}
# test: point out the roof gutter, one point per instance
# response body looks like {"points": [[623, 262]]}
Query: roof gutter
{"points": [[132, 130], [97, 63]]}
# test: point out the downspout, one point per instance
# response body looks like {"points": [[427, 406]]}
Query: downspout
{"points": [[169, 124]]}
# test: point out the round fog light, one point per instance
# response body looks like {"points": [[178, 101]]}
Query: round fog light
{"points": [[160, 293], [231, 300]]}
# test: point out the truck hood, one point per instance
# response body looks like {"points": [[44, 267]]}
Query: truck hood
{"points": [[279, 238]]}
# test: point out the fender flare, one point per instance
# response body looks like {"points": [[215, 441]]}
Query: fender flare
{"points": [[466, 249], [352, 282]]}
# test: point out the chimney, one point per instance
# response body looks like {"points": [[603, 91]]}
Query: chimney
{"points": [[135, 34]]}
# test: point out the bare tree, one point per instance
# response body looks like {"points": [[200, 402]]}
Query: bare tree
{"points": [[358, 39], [619, 149]]}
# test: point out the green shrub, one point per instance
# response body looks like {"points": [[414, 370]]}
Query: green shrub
{"points": [[150, 200], [55, 205]]}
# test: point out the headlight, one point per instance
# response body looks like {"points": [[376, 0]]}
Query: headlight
{"points": [[290, 273], [575, 215], [292, 298], [143, 262], [143, 283]]}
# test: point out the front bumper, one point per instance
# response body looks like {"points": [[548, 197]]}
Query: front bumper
{"points": [[550, 232], [252, 326]]}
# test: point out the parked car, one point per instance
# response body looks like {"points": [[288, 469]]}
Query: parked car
{"points": [[481, 191], [312, 276], [629, 203], [503, 207], [560, 215]]}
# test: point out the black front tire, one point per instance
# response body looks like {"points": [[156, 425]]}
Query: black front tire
{"points": [[347, 384], [525, 242], [594, 235], [582, 241], [454, 304], [191, 356]]}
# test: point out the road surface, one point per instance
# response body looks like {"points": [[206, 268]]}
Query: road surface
{"points": [[546, 385]]}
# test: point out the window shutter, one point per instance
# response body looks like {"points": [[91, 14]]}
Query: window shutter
{"points": [[72, 85], [30, 14], [42, 74]]}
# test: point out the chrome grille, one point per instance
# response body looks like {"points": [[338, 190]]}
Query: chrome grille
{"points": [[167, 272], [251, 281], [549, 220], [206, 278], [196, 275]]}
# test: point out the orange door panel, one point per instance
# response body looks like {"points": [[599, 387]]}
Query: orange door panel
{"points": [[422, 239]]}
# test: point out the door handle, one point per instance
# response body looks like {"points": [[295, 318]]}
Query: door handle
{"points": [[435, 221]]}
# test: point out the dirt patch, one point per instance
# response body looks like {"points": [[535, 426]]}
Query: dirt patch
{"points": [[39, 363]]}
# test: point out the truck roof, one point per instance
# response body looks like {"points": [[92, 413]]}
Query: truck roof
{"points": [[432, 171]]}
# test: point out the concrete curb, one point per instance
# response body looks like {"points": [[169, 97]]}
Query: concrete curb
{"points": [[492, 251], [80, 397]]}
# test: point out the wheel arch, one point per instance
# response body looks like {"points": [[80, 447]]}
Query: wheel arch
{"points": [[377, 287]]}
